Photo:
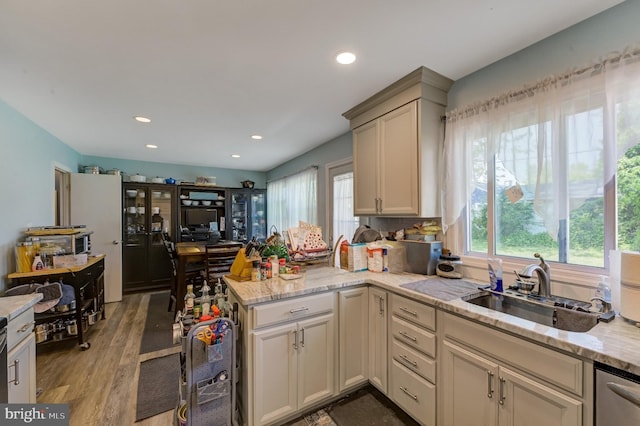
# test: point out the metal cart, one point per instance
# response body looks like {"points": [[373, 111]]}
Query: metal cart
{"points": [[207, 384]]}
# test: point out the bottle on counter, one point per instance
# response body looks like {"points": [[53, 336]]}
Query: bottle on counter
{"points": [[205, 299], [189, 300], [37, 264], [255, 271], [218, 296]]}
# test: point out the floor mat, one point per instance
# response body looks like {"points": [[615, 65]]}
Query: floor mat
{"points": [[158, 332], [158, 386], [368, 407]]}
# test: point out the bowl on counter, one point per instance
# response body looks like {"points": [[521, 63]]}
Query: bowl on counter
{"points": [[195, 202], [206, 202], [219, 203], [186, 202]]}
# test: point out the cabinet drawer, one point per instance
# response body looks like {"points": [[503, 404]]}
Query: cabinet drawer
{"points": [[413, 336], [292, 309], [417, 312], [19, 328], [414, 360], [557, 368], [414, 394]]}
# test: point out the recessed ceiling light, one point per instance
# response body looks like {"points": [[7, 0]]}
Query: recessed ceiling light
{"points": [[142, 119], [151, 146], [346, 58], [235, 155], [256, 137]]}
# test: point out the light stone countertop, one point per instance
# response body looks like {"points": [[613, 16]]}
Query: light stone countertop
{"points": [[12, 306], [616, 343]]}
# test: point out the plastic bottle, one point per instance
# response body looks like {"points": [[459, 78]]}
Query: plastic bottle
{"points": [[189, 300], [603, 290], [37, 263], [495, 274], [205, 299], [218, 296]]}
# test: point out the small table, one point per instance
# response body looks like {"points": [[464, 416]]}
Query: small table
{"points": [[192, 252]]}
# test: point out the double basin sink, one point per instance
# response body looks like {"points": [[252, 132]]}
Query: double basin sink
{"points": [[558, 312]]}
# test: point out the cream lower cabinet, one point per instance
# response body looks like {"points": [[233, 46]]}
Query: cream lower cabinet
{"points": [[478, 388], [293, 361], [353, 337], [21, 368], [412, 381], [21, 359], [378, 367]]}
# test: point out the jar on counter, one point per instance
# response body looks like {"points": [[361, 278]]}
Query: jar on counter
{"points": [[25, 254]]}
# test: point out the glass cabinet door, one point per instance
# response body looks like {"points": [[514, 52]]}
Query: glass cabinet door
{"points": [[239, 215], [259, 215], [135, 216], [160, 215]]}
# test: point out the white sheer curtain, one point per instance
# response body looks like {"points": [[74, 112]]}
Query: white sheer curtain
{"points": [[292, 199], [554, 140]]}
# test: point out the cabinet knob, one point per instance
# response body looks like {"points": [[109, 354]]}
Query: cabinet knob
{"points": [[116, 242]]}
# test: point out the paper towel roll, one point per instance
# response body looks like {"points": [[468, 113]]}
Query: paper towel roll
{"points": [[630, 285]]}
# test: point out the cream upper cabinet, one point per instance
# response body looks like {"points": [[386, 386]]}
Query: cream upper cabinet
{"points": [[353, 337], [397, 135]]}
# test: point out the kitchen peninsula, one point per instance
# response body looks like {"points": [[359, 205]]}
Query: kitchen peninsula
{"points": [[283, 319]]}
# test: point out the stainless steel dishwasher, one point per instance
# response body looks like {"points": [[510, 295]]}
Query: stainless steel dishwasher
{"points": [[617, 396]]}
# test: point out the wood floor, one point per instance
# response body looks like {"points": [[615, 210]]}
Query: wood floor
{"points": [[100, 384]]}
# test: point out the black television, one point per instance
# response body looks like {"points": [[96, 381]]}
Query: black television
{"points": [[196, 218]]}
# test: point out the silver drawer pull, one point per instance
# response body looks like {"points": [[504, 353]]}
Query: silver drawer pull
{"points": [[293, 311], [502, 396], [414, 397], [406, 336], [403, 309], [405, 359], [26, 327], [489, 384], [16, 365]]}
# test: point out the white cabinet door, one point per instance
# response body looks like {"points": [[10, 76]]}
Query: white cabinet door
{"points": [[366, 169], [21, 371], [378, 339], [316, 359], [469, 388], [399, 158], [275, 372], [525, 402], [353, 343]]}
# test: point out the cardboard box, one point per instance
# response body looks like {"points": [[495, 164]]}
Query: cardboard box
{"points": [[69, 260], [356, 257]]}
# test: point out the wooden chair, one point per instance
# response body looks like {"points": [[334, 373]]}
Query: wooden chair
{"points": [[193, 276], [219, 258]]}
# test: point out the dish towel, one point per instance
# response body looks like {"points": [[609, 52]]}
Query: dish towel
{"points": [[567, 319]]}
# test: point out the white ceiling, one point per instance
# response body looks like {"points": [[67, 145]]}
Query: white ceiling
{"points": [[210, 73]]}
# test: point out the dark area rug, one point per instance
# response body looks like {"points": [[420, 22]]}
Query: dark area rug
{"points": [[157, 332], [364, 407], [158, 386]]}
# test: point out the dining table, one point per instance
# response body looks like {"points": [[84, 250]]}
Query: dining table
{"points": [[189, 253]]}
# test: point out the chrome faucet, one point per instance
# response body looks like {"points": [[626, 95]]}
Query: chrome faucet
{"points": [[544, 276]]}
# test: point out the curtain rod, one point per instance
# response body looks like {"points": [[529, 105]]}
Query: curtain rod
{"points": [[313, 166], [551, 81]]}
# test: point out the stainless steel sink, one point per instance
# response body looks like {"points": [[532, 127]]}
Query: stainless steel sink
{"points": [[544, 311]]}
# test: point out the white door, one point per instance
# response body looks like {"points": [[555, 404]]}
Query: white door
{"points": [[96, 201]]}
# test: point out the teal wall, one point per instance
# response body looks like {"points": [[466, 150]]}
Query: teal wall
{"points": [[579, 45], [28, 156]]}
